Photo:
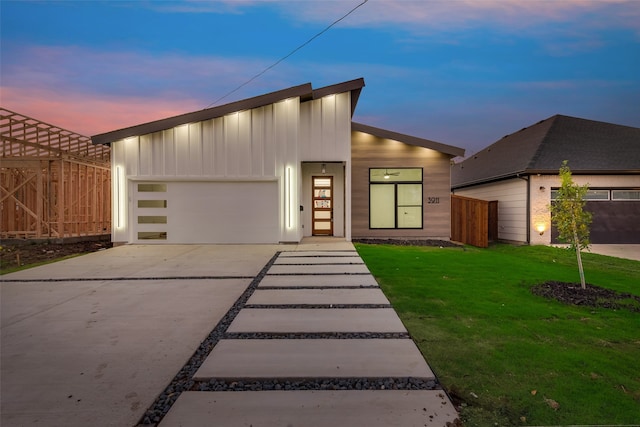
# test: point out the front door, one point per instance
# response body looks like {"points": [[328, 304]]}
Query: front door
{"points": [[322, 213]]}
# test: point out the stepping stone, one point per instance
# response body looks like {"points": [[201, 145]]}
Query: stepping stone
{"points": [[298, 254], [314, 358], [319, 260], [317, 296], [318, 408], [319, 281], [318, 269], [316, 320]]}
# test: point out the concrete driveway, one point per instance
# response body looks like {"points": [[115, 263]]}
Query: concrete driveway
{"points": [[91, 341], [618, 251]]}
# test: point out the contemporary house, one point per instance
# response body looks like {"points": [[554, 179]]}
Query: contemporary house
{"points": [[276, 168], [520, 171]]}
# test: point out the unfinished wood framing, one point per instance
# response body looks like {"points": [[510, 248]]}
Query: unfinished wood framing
{"points": [[54, 183]]}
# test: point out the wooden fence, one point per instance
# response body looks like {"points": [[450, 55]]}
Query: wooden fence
{"points": [[54, 183], [473, 221]]}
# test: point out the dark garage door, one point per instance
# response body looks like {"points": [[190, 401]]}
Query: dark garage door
{"points": [[613, 222]]}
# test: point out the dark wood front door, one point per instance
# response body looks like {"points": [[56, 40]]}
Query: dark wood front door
{"points": [[322, 213]]}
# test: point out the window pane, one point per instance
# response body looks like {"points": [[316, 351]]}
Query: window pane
{"points": [[410, 217], [322, 215], [410, 194], [322, 182], [625, 194], [382, 206], [152, 235], [591, 194], [395, 175], [152, 220], [597, 195], [152, 187], [322, 193], [152, 203]]}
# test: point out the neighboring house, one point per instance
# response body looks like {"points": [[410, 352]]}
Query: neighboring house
{"points": [[521, 172], [276, 168]]}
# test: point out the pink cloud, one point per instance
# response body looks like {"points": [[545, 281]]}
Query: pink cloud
{"points": [[88, 114]]}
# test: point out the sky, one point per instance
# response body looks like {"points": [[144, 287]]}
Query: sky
{"points": [[460, 72]]}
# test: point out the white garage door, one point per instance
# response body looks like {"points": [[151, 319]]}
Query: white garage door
{"points": [[206, 212]]}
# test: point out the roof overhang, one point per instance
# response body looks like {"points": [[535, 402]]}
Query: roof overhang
{"points": [[408, 139], [305, 92], [529, 172]]}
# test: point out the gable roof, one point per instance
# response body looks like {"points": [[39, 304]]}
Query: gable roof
{"points": [[304, 91], [408, 139], [589, 146]]}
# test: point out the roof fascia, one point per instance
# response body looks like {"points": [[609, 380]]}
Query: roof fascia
{"points": [[303, 91], [520, 175], [408, 139]]}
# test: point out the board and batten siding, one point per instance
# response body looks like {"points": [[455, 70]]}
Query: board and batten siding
{"points": [[254, 145], [512, 206], [369, 151]]}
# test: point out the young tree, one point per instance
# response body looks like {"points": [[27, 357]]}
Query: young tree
{"points": [[570, 217]]}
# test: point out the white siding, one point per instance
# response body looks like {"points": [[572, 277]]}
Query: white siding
{"points": [[325, 129], [512, 206]]}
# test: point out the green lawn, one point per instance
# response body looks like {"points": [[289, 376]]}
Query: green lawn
{"points": [[514, 358]]}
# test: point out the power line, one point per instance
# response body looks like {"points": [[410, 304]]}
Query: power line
{"points": [[288, 55]]}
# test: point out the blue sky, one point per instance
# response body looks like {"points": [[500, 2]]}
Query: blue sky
{"points": [[460, 72]]}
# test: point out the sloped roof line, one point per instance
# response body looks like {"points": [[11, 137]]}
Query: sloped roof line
{"points": [[542, 142], [304, 91], [591, 147], [408, 139]]}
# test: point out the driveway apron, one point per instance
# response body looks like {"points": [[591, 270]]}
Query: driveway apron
{"points": [[302, 335]]}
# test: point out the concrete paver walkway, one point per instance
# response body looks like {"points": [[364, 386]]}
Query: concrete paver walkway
{"points": [[96, 339], [341, 291]]}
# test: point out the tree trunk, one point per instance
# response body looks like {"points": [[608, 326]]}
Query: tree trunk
{"points": [[579, 257]]}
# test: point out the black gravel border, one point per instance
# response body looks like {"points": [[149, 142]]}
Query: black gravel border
{"points": [[358, 383], [315, 335], [409, 242]]}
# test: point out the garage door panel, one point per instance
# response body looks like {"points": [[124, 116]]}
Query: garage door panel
{"points": [[614, 222], [223, 212]]}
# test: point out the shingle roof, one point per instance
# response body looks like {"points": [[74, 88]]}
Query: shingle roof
{"points": [[408, 139], [590, 147], [304, 91]]}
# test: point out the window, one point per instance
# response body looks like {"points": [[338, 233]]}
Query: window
{"points": [[395, 198], [152, 188], [625, 194], [591, 194]]}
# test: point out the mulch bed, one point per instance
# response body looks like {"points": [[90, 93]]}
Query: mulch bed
{"points": [[409, 242], [592, 296]]}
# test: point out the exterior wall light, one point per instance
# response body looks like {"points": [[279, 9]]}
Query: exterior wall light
{"points": [[541, 228]]}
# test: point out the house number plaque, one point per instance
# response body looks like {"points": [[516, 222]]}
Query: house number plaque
{"points": [[433, 200]]}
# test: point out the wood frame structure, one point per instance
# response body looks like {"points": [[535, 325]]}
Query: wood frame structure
{"points": [[54, 183]]}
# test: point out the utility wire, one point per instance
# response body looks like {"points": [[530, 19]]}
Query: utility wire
{"points": [[288, 55]]}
